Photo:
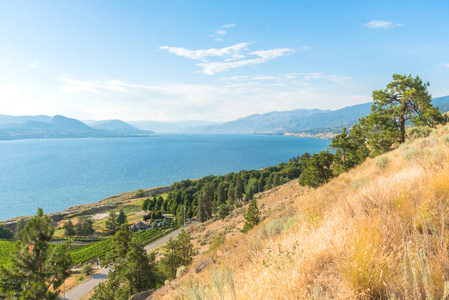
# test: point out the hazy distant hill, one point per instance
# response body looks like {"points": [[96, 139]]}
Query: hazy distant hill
{"points": [[181, 126], [119, 126], [5, 119], [63, 127], [301, 120]]}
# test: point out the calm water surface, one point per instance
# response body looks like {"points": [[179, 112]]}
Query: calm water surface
{"points": [[57, 173]]}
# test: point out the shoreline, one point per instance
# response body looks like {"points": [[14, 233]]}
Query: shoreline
{"points": [[100, 206]]}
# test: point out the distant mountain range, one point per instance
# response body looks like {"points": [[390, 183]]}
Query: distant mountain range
{"points": [[25, 127], [301, 120]]}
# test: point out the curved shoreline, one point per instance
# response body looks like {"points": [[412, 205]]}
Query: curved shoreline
{"points": [[91, 208]]}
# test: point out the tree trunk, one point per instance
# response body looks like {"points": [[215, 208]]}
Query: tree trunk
{"points": [[402, 128]]}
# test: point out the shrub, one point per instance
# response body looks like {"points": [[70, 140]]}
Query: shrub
{"points": [[291, 222], [86, 270], [381, 161], [411, 154], [218, 240], [181, 271], [140, 193], [418, 132], [274, 227], [445, 138]]}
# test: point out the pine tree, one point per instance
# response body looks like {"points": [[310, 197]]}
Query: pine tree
{"points": [[111, 224], [69, 229], [133, 271], [121, 219], [38, 268], [252, 217], [177, 252]]}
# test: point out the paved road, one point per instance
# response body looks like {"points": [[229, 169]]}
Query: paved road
{"points": [[85, 287]]}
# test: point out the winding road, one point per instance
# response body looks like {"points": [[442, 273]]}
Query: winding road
{"points": [[85, 287]]}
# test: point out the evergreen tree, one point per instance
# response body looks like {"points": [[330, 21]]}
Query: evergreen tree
{"points": [[252, 216], [5, 233], [111, 224], [121, 219], [38, 268], [223, 211], [146, 204], [17, 232], [318, 170], [177, 252], [132, 272], [84, 227], [69, 229], [405, 99], [239, 188]]}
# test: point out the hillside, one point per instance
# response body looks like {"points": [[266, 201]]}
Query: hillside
{"points": [[377, 231], [301, 120], [120, 126]]}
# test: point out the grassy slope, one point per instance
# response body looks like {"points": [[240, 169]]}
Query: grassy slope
{"points": [[374, 232]]}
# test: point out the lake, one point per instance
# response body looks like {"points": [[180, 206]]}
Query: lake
{"points": [[57, 173]]}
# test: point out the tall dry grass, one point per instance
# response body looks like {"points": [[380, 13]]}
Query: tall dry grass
{"points": [[380, 231]]}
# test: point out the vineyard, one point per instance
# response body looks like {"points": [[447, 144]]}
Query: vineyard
{"points": [[6, 248], [85, 252]]}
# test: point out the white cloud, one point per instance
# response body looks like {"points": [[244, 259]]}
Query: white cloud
{"points": [[232, 57], [6, 61], [273, 53], [226, 99], [228, 25], [381, 24], [446, 65], [35, 64], [228, 52]]}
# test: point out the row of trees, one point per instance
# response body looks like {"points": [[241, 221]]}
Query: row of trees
{"points": [[220, 194], [404, 101]]}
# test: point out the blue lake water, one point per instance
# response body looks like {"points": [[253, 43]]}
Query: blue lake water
{"points": [[57, 173]]}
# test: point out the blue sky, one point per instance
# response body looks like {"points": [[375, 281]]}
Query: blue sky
{"points": [[212, 60]]}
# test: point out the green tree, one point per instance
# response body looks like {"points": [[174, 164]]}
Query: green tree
{"points": [[351, 149], [139, 193], [20, 225], [318, 169], [69, 229], [112, 224], [132, 270], [121, 219], [239, 188], [38, 268], [405, 99], [223, 211], [84, 227], [252, 217], [146, 204], [5, 233], [177, 252]]}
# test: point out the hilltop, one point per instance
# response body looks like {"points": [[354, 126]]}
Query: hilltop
{"points": [[377, 231]]}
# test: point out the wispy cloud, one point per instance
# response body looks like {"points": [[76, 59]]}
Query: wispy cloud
{"points": [[381, 24], [221, 32], [6, 61], [227, 52], [232, 57], [228, 25], [446, 65], [35, 64], [226, 99]]}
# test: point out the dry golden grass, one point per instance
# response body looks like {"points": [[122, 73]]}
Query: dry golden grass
{"points": [[379, 231]]}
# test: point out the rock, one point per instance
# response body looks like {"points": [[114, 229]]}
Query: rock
{"points": [[142, 296], [202, 265]]}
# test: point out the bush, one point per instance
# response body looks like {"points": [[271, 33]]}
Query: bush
{"points": [[274, 227], [86, 270], [381, 161], [445, 138], [411, 154], [418, 132], [223, 211], [181, 271], [291, 222], [140, 193], [218, 240]]}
